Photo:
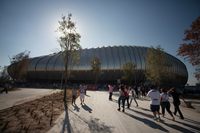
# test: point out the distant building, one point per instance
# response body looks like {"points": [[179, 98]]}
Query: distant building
{"points": [[51, 67]]}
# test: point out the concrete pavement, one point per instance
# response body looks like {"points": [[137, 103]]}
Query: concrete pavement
{"points": [[99, 115], [21, 95]]}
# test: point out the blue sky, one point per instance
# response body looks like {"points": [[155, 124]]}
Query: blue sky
{"points": [[31, 24]]}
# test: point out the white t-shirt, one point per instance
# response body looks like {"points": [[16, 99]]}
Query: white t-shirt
{"points": [[155, 97], [164, 97]]}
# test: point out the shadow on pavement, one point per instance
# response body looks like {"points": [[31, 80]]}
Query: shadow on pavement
{"points": [[148, 122], [76, 108], [66, 122], [141, 113], [96, 126], [180, 128], [192, 121], [188, 125], [87, 108]]}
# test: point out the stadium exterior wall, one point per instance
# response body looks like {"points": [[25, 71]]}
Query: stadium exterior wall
{"points": [[51, 67]]}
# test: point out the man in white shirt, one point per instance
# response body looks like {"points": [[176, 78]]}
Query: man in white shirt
{"points": [[154, 94]]}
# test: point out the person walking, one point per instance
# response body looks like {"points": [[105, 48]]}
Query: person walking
{"points": [[154, 94], [121, 98], [133, 96], [82, 94], [164, 102], [110, 87], [176, 101], [74, 96], [126, 94]]}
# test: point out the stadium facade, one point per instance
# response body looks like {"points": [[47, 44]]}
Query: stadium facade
{"points": [[51, 67]]}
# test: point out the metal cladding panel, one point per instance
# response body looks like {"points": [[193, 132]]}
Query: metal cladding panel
{"points": [[103, 58], [132, 56], [41, 66], [138, 62], [110, 59], [81, 62], [126, 54], [51, 62], [59, 64], [116, 57], [140, 50], [122, 57], [33, 63]]}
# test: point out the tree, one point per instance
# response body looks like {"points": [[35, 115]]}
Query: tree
{"points": [[19, 65], [96, 68], [129, 71], [4, 77], [156, 71], [190, 48], [69, 42]]}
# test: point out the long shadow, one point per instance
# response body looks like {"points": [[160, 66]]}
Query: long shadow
{"points": [[66, 122], [189, 125], [87, 108], [95, 125], [141, 113], [180, 128], [76, 108], [192, 121], [148, 122]]}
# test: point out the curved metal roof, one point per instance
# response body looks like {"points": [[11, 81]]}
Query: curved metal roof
{"points": [[112, 59]]}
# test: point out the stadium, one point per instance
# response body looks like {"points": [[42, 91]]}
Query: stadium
{"points": [[50, 68]]}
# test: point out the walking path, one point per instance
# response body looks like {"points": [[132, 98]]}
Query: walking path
{"points": [[21, 95], [99, 115]]}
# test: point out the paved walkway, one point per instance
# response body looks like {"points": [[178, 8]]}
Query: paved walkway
{"points": [[21, 95], [99, 115]]}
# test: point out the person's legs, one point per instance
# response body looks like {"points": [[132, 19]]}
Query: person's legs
{"points": [[136, 101], [180, 113], [153, 109], [111, 96], [128, 104], [163, 108], [119, 100], [123, 103], [175, 108], [169, 111]]}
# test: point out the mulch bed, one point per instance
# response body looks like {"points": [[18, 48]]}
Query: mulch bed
{"points": [[36, 116]]}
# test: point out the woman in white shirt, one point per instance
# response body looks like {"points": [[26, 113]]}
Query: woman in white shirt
{"points": [[164, 102]]}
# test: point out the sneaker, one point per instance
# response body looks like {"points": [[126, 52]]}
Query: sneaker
{"points": [[118, 109], [159, 118], [123, 110], [173, 119], [155, 118]]}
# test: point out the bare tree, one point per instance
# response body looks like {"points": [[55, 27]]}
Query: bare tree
{"points": [[69, 43]]}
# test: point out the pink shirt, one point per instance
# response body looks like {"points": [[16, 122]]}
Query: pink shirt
{"points": [[110, 87]]}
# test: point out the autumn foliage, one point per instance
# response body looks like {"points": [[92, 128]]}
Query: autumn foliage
{"points": [[190, 48]]}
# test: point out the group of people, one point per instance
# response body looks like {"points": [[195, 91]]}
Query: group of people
{"points": [[162, 99], [157, 99], [126, 94]]}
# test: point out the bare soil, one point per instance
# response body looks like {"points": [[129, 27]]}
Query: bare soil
{"points": [[36, 116]]}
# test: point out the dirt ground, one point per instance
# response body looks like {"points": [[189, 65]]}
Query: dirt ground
{"points": [[36, 116]]}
